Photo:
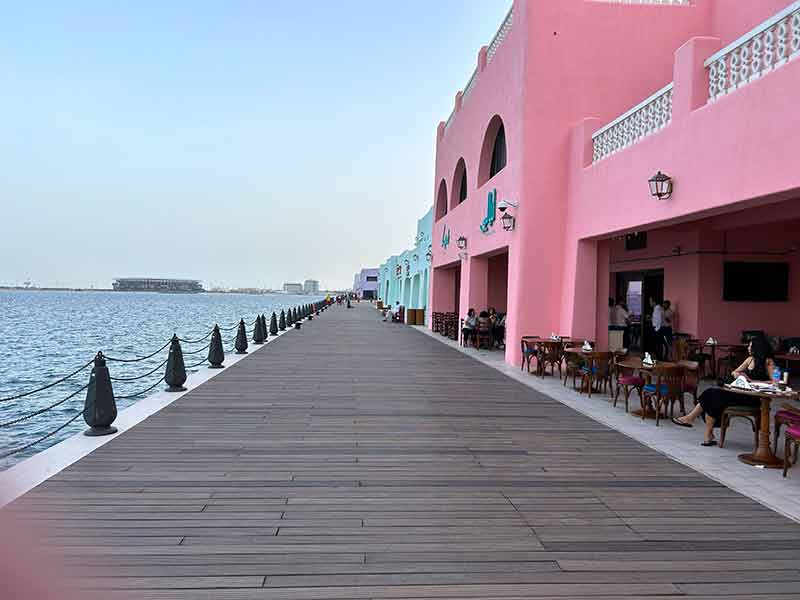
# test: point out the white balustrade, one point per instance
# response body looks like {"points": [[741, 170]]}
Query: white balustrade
{"points": [[646, 118], [501, 34], [761, 50], [498, 38]]}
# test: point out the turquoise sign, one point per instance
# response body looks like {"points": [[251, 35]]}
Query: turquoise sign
{"points": [[491, 211], [445, 237]]}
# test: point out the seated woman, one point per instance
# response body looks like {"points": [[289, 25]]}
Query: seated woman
{"points": [[711, 403], [470, 326]]}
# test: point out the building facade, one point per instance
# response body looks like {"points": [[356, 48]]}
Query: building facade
{"points": [[573, 108], [405, 277], [365, 283], [293, 288], [311, 286]]}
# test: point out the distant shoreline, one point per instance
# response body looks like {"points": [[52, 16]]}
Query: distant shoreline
{"points": [[19, 288]]}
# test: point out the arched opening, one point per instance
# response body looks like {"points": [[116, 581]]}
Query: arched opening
{"points": [[459, 187], [493, 152], [441, 200]]}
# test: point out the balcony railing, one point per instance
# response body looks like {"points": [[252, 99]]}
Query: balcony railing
{"points": [[767, 47], [497, 40], [501, 34], [646, 118]]}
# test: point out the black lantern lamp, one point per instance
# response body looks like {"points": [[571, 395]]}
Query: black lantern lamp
{"points": [[508, 221], [429, 254], [461, 242], [660, 186]]}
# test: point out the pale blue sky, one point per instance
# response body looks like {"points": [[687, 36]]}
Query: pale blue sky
{"points": [[237, 142]]}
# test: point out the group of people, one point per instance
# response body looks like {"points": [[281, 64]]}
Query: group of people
{"points": [[487, 320], [659, 324]]}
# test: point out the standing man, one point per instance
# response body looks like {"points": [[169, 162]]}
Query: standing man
{"points": [[657, 322]]}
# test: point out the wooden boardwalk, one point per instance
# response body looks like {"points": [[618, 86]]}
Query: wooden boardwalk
{"points": [[358, 459]]}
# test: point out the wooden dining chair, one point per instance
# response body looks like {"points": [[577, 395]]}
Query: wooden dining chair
{"points": [[667, 389], [529, 351], [691, 380], [789, 415], [628, 381], [483, 334], [696, 353], [750, 413], [735, 356], [573, 361], [597, 370], [792, 441], [551, 353]]}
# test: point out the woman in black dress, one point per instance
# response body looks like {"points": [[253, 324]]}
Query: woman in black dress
{"points": [[757, 367]]}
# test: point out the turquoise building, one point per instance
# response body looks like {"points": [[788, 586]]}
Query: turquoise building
{"points": [[405, 277]]}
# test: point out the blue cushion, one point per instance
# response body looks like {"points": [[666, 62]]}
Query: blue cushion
{"points": [[651, 388]]}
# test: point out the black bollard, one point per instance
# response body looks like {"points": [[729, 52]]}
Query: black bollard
{"points": [[297, 324], [241, 339], [216, 353], [264, 327], [294, 315], [100, 408], [282, 322], [289, 319], [175, 375], [258, 331], [273, 325]]}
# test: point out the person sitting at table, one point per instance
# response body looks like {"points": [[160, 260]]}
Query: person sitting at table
{"points": [[756, 367], [470, 326], [499, 331]]}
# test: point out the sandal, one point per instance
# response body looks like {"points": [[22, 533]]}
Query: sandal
{"points": [[709, 443], [681, 423]]}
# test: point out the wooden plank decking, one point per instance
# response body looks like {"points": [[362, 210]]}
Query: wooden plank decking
{"points": [[360, 459]]}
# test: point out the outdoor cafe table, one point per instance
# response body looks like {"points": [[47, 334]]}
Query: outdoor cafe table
{"points": [[763, 456], [635, 364]]}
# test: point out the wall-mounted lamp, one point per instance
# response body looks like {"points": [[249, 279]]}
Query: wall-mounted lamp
{"points": [[508, 222], [461, 242], [660, 186], [429, 255], [416, 257]]}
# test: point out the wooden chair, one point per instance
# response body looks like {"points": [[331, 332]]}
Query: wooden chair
{"points": [[573, 361], [667, 389], [691, 379], [792, 440], [628, 381], [484, 334], [751, 413], [550, 353], [734, 357], [789, 416], [696, 353], [597, 370], [529, 351], [400, 315]]}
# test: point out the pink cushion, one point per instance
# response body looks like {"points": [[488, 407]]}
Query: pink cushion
{"points": [[689, 387], [788, 416], [794, 431], [630, 380]]}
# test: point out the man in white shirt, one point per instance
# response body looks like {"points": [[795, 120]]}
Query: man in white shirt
{"points": [[619, 316], [657, 320]]}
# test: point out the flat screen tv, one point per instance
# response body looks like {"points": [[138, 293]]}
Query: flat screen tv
{"points": [[755, 282]]}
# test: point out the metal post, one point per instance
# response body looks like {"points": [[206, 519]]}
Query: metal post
{"points": [[175, 374], [100, 408]]}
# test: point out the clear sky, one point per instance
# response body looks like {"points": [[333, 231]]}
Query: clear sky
{"points": [[244, 143]]}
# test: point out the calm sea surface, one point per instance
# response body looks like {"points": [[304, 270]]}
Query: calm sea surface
{"points": [[46, 335]]}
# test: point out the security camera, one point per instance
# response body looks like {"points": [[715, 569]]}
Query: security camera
{"points": [[504, 205]]}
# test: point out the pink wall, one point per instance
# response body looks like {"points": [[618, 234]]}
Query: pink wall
{"points": [[565, 69], [497, 292]]}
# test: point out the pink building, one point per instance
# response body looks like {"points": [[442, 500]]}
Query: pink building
{"points": [[573, 107]]}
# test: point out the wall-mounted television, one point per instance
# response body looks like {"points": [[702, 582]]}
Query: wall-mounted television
{"points": [[755, 282]]}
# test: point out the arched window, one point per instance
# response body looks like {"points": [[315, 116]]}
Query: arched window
{"points": [[493, 152], [459, 187], [498, 152], [441, 200]]}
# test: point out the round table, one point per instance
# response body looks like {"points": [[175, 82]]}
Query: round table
{"points": [[762, 456]]}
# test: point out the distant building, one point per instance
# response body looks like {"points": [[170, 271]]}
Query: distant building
{"points": [[311, 286], [150, 284], [293, 288], [365, 284]]}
